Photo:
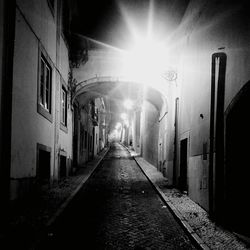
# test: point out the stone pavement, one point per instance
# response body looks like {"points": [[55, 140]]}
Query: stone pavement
{"points": [[30, 219], [117, 209], [193, 218]]}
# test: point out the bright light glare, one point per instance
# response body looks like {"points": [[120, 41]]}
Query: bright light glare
{"points": [[124, 116], [128, 104], [118, 125], [146, 61], [115, 135], [126, 123]]}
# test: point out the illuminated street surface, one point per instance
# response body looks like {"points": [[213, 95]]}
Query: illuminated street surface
{"points": [[117, 209]]}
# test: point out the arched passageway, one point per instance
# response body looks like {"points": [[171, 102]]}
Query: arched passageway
{"points": [[141, 128]]}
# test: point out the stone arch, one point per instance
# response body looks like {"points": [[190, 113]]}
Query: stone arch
{"points": [[156, 96], [153, 106]]}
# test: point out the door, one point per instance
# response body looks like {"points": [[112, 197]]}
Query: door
{"points": [[176, 123], [75, 138], [43, 164], [63, 166], [237, 164], [183, 182]]}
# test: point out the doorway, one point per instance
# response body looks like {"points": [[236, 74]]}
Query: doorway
{"points": [[75, 137], [63, 166], [43, 164], [176, 124], [183, 182], [237, 167]]}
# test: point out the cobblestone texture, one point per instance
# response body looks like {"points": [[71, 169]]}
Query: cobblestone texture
{"points": [[117, 209], [34, 215], [30, 218], [213, 236]]}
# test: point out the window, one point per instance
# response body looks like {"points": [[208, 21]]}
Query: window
{"points": [[64, 107], [45, 88], [45, 85]]}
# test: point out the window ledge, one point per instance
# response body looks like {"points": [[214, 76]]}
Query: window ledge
{"points": [[45, 113], [63, 128]]}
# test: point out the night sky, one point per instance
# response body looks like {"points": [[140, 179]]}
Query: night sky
{"points": [[109, 21]]}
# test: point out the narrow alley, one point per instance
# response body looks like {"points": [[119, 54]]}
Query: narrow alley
{"points": [[117, 208], [124, 124]]}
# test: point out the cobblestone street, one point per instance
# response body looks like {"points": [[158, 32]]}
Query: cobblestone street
{"points": [[117, 208]]}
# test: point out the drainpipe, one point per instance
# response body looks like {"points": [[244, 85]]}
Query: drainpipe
{"points": [[57, 95], [211, 149]]}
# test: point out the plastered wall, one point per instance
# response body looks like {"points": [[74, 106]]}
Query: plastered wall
{"points": [[36, 32]]}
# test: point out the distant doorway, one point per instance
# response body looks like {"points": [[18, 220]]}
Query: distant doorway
{"points": [[63, 166], [75, 137], [183, 183], [43, 164], [237, 174], [176, 124]]}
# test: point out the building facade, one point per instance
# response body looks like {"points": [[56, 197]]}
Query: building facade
{"points": [[192, 127], [41, 148]]}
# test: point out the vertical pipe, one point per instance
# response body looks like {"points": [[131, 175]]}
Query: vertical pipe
{"points": [[211, 150], [216, 155]]}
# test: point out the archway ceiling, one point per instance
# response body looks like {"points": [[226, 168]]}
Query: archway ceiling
{"points": [[117, 92], [114, 94], [113, 91]]}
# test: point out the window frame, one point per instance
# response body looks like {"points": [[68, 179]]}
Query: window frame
{"points": [[44, 103], [64, 124]]}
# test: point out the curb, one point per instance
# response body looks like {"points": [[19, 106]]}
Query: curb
{"points": [[73, 194], [183, 222], [66, 202]]}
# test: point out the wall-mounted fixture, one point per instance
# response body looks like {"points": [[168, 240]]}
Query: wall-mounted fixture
{"points": [[170, 75]]}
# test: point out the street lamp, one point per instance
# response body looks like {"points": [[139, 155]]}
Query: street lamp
{"points": [[118, 126], [124, 116], [146, 60]]}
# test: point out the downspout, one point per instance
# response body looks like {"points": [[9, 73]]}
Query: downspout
{"points": [[57, 93], [211, 150]]}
